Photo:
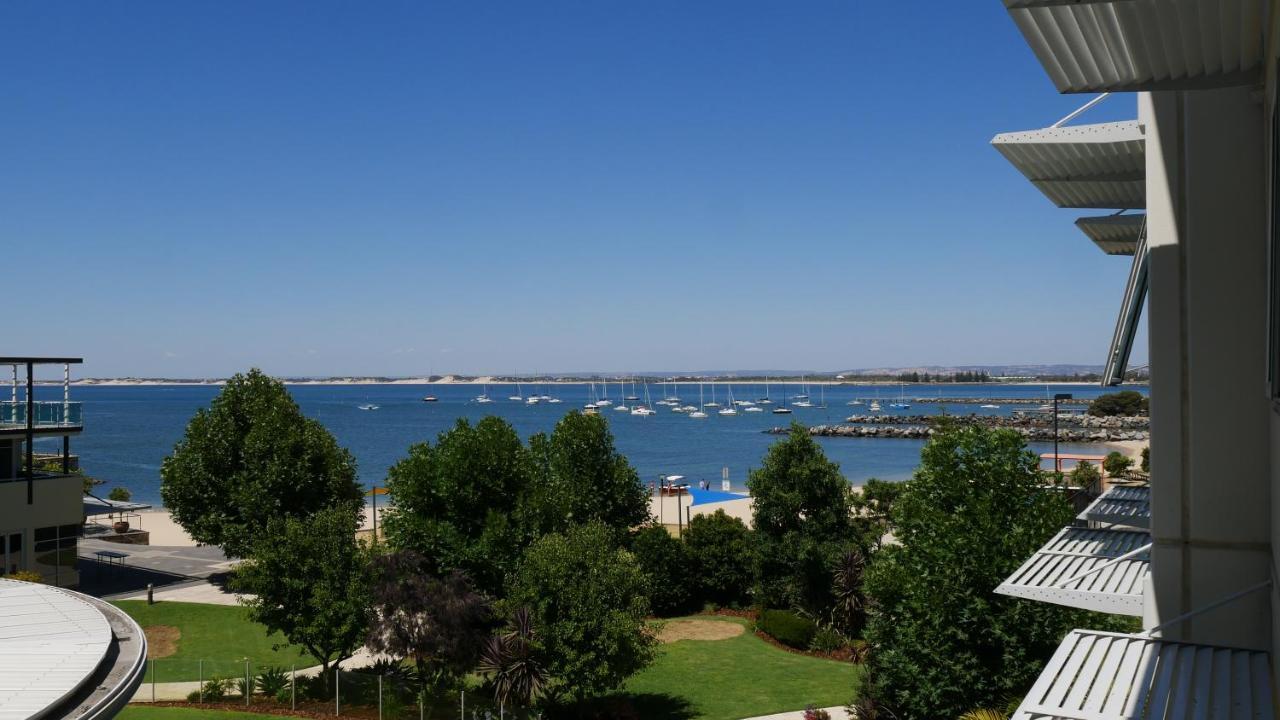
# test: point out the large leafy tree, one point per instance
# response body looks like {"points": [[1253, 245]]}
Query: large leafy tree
{"points": [[252, 457], [308, 578], [439, 624], [587, 600], [669, 570], [942, 642], [581, 477], [455, 500], [803, 522], [719, 548]]}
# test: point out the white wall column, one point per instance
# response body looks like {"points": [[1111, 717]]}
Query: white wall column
{"points": [[1210, 452]]}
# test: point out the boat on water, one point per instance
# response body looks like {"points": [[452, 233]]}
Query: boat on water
{"points": [[804, 391], [672, 397], [633, 397], [518, 396], [604, 400], [753, 408], [483, 397], [696, 413], [902, 403], [430, 398], [730, 409], [644, 410], [874, 406], [367, 406], [989, 407], [855, 402], [765, 400], [713, 403], [783, 409]]}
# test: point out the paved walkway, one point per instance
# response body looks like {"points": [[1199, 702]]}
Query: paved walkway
{"points": [[165, 691], [837, 713]]}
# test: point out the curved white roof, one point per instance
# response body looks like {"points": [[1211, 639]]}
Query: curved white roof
{"points": [[51, 642]]}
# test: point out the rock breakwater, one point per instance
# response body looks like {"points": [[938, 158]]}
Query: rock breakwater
{"points": [[1074, 428]]}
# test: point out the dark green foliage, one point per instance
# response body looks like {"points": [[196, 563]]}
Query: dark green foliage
{"points": [[1146, 459], [1085, 474], [581, 477], [872, 507], [942, 641], [119, 494], [673, 585], [587, 601], [272, 679], [788, 628], [849, 613], [720, 553], [510, 663], [1116, 464], [309, 579], [252, 457], [246, 686], [802, 521], [440, 624], [1125, 402], [454, 501], [827, 639]]}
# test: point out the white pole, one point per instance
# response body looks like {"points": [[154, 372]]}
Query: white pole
{"points": [[66, 393], [293, 687]]}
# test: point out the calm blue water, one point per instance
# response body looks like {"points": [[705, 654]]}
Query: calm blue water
{"points": [[129, 430]]}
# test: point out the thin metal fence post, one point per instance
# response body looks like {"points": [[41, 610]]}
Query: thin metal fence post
{"points": [[248, 688], [200, 675], [293, 687], [421, 715], [379, 697], [153, 681], [337, 692], [463, 696]]}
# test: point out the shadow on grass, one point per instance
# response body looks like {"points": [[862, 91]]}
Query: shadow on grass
{"points": [[628, 706]]}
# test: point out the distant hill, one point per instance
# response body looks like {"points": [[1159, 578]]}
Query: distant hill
{"points": [[1054, 370]]}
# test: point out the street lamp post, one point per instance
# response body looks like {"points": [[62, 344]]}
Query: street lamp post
{"points": [[1057, 463]]}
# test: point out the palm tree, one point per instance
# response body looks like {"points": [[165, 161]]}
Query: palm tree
{"points": [[509, 660]]}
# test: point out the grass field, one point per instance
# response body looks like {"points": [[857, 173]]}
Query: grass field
{"points": [[221, 635], [736, 678]]}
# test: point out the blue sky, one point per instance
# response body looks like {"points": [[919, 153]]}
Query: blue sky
{"points": [[189, 189]]}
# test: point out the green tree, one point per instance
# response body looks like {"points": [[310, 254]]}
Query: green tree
{"points": [[672, 582], [308, 578], [942, 642], [119, 494], [454, 501], [581, 477], [587, 600], [872, 509], [1126, 403], [1146, 459], [252, 457], [803, 522], [720, 551], [1085, 474], [1116, 464]]}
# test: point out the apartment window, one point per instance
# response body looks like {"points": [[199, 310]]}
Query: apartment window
{"points": [[55, 550], [10, 553]]}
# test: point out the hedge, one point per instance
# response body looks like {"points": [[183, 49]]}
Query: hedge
{"points": [[787, 628]]}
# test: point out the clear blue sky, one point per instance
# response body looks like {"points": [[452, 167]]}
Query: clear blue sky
{"points": [[189, 189]]}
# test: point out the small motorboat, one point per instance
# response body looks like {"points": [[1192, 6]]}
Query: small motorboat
{"points": [[431, 398], [367, 406], [782, 411], [989, 407], [697, 414], [753, 408]]}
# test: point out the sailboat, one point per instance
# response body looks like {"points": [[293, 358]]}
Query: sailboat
{"points": [[783, 409], [672, 398], [367, 406], [622, 389], [698, 414], [632, 397], [765, 400], [713, 403], [644, 410], [604, 400], [902, 403], [592, 404], [484, 396], [729, 409], [804, 391], [517, 397]]}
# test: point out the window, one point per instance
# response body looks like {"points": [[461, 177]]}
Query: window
{"points": [[1273, 361], [55, 550], [10, 553]]}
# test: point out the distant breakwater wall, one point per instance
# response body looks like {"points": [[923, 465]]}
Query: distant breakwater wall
{"points": [[1080, 428], [997, 401]]}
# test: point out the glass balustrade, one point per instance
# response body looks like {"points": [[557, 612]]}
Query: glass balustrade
{"points": [[47, 414]]}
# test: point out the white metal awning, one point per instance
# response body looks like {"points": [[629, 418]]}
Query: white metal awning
{"points": [[1100, 676], [1127, 45], [1082, 166], [1114, 234], [1102, 570], [1127, 505]]}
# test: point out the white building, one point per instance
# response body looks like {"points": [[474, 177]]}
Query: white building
{"points": [[41, 499], [1198, 173]]}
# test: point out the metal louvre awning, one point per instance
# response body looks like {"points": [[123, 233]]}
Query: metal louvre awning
{"points": [[1135, 295], [1127, 505], [1104, 676], [1127, 45], [1082, 166], [1091, 569], [1114, 234]]}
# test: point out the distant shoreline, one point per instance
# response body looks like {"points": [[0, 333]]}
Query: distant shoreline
{"points": [[130, 382]]}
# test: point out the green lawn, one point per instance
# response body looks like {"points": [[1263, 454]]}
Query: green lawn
{"points": [[221, 635], [736, 678]]}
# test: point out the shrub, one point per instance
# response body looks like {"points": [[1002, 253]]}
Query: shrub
{"points": [[246, 686], [1116, 464], [215, 689], [813, 713], [30, 576], [827, 639], [1125, 402], [720, 554], [1085, 475], [193, 696], [1146, 459], [668, 571], [788, 628], [285, 694], [119, 494], [272, 680]]}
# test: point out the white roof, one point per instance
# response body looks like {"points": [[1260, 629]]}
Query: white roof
{"points": [[50, 643], [1101, 676], [1125, 45], [1082, 166], [1114, 234], [1081, 568], [1121, 505]]}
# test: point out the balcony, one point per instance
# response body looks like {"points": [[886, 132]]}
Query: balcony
{"points": [[48, 417]]}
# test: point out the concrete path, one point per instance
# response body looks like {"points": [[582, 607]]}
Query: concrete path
{"points": [[837, 713], [200, 591], [149, 691]]}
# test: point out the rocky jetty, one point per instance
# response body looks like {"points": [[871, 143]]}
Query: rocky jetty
{"points": [[996, 401], [1071, 428]]}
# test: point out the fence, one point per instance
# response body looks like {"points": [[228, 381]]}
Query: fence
{"points": [[385, 691]]}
